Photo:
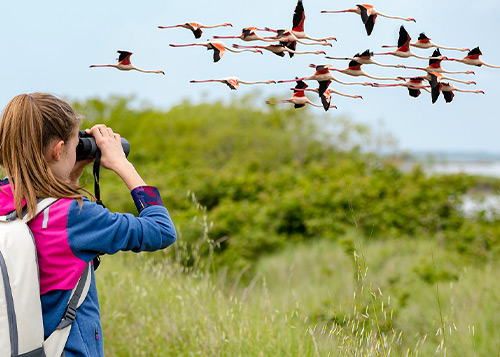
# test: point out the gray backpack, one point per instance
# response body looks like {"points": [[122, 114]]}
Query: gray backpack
{"points": [[21, 323]]}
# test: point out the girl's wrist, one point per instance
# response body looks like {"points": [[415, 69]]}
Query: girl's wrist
{"points": [[129, 175]]}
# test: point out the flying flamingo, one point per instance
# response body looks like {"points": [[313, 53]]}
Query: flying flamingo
{"points": [[425, 42], [124, 64], [280, 50], [369, 15], [414, 86], [298, 98], [248, 34], [326, 98], [366, 58], [195, 27], [448, 89], [218, 47], [324, 78], [437, 86], [286, 36], [403, 46], [441, 76], [355, 70], [288, 39], [435, 64], [473, 59], [233, 82], [299, 17]]}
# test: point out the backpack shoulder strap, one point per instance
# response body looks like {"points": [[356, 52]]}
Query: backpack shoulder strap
{"points": [[40, 207], [54, 344]]}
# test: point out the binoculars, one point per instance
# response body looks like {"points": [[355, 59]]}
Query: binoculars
{"points": [[87, 147]]}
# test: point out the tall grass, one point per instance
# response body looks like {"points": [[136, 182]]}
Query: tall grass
{"points": [[307, 300]]}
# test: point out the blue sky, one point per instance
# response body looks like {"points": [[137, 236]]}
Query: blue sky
{"points": [[48, 46]]}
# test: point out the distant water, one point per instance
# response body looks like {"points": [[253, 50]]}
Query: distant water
{"points": [[471, 164], [483, 168]]}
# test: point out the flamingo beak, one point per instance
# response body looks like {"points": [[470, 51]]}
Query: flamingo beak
{"points": [[482, 92], [260, 51], [162, 72], [471, 72], [413, 20], [228, 24], [472, 82], [322, 52]]}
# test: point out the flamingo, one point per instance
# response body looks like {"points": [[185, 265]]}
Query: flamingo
{"points": [[448, 89], [299, 98], [441, 76], [326, 97], [288, 39], [324, 78], [414, 86], [233, 82], [366, 58], [299, 17], [435, 64], [248, 34], [425, 42], [355, 70], [331, 91], [403, 46], [369, 15], [280, 50], [472, 59], [124, 64], [195, 27], [218, 47], [286, 35], [437, 86]]}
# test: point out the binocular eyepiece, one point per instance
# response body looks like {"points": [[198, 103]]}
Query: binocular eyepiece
{"points": [[87, 147]]}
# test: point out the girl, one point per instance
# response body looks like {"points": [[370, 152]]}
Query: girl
{"points": [[38, 140]]}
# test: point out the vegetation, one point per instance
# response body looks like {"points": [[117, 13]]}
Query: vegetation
{"points": [[294, 239]]}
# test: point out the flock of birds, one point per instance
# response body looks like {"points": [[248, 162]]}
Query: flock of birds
{"points": [[282, 42]]}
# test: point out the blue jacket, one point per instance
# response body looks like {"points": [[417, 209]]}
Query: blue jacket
{"points": [[69, 237]]}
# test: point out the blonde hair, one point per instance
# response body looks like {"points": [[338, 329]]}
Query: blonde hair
{"points": [[29, 124]]}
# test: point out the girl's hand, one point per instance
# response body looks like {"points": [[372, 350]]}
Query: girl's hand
{"points": [[112, 155]]}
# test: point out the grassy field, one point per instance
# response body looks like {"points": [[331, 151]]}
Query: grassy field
{"points": [[397, 298]]}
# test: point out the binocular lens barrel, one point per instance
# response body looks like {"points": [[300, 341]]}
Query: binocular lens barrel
{"points": [[87, 147]]}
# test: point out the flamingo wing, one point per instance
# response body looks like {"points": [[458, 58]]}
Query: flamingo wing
{"points": [[404, 39], [231, 83], [435, 87], [299, 17], [326, 99], [246, 32], [354, 65], [218, 50], [448, 96], [474, 53], [291, 45], [193, 26], [124, 57], [422, 38], [435, 62], [300, 85], [365, 54], [364, 13], [414, 92], [370, 23], [323, 86]]}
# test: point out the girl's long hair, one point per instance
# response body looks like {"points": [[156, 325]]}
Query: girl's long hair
{"points": [[29, 124]]}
